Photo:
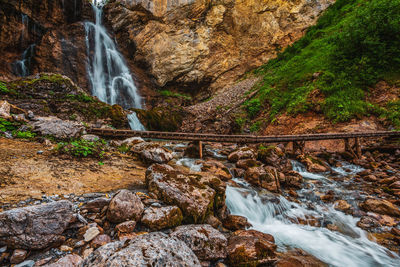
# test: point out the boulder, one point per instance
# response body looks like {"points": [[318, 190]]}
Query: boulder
{"points": [[242, 153], [298, 258], [217, 168], [195, 194], [152, 152], [251, 248], [157, 218], [153, 249], [71, 260], [342, 205], [56, 127], [36, 227], [380, 206], [125, 206], [235, 222], [96, 205], [129, 142], [126, 227], [5, 110], [100, 240], [266, 177], [247, 163], [90, 137], [205, 241]]}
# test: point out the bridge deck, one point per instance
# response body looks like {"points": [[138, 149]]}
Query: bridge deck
{"points": [[237, 138]]}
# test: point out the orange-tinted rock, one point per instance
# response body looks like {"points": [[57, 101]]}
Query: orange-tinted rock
{"points": [[235, 222], [157, 218], [380, 206], [18, 256], [124, 206], [298, 258], [100, 240]]}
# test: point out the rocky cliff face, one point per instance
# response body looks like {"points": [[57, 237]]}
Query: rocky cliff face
{"points": [[201, 44], [50, 32]]}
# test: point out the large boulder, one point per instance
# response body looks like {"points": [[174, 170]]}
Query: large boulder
{"points": [[196, 194], [380, 206], [125, 206], [242, 153], [265, 177], [205, 241], [58, 128], [217, 168], [251, 248], [152, 152], [157, 218], [36, 227], [153, 249]]}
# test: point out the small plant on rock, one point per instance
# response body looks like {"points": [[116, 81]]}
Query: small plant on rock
{"points": [[82, 148]]}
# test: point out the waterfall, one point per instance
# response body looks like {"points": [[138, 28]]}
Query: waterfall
{"points": [[275, 215], [22, 67], [108, 73]]}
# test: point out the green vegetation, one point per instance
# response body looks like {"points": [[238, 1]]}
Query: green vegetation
{"points": [[24, 135], [255, 126], [168, 93], [12, 127], [3, 88], [6, 125], [353, 46], [81, 97], [81, 148]]}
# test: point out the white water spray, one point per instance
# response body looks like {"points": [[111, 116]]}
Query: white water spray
{"points": [[275, 215], [109, 75], [22, 67]]}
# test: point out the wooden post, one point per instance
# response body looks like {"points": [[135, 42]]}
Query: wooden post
{"points": [[347, 145], [358, 147], [200, 149]]}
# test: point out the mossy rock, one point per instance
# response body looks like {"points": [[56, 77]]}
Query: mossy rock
{"points": [[161, 118]]}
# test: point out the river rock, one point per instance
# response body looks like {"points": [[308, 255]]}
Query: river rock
{"points": [[71, 260], [129, 142], [342, 205], [96, 205], [235, 222], [380, 206], [157, 218], [18, 256], [195, 194], [217, 168], [367, 223], [125, 206], [36, 227], [100, 240], [126, 227], [153, 249], [58, 128], [242, 153], [251, 248], [247, 163], [152, 152], [263, 177], [298, 258], [91, 233], [90, 137], [205, 241]]}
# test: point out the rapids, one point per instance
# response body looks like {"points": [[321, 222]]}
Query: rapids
{"points": [[275, 215]]}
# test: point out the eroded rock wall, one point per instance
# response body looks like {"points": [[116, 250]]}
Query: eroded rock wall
{"points": [[203, 43]]}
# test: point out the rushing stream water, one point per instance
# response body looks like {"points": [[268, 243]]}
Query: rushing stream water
{"points": [[109, 75], [275, 215]]}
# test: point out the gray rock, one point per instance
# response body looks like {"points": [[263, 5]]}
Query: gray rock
{"points": [[36, 227], [5, 110], [132, 141], [28, 263], [56, 127], [153, 249], [152, 152], [205, 241], [157, 218], [90, 137], [71, 260]]}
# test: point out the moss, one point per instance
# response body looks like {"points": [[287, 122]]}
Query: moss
{"points": [[161, 119]]}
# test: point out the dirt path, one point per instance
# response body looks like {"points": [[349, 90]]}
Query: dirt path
{"points": [[24, 173]]}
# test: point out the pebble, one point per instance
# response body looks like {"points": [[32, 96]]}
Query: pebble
{"points": [[91, 233], [18, 256], [3, 249]]}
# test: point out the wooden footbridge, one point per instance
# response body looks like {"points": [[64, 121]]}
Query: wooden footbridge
{"points": [[298, 140]]}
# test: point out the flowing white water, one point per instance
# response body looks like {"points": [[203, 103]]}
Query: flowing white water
{"points": [[349, 246], [109, 75], [135, 123], [22, 67]]}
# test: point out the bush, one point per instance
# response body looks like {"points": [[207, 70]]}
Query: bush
{"points": [[24, 135], [3, 88], [82, 148], [8, 126]]}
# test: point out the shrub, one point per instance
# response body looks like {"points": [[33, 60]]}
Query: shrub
{"points": [[3, 88], [82, 148], [24, 135], [8, 126]]}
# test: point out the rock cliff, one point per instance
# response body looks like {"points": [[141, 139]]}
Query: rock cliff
{"points": [[200, 44]]}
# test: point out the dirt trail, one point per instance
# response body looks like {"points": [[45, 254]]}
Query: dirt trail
{"points": [[24, 173]]}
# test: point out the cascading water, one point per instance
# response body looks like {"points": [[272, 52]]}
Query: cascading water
{"points": [[109, 75], [349, 246], [22, 67]]}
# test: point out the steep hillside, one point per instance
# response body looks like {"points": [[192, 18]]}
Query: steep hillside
{"points": [[334, 69]]}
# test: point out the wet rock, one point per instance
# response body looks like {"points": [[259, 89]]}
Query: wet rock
{"points": [[367, 222], [126, 227], [342, 205], [298, 258], [152, 152], [129, 142], [242, 153], [217, 168], [235, 222], [65, 248], [237, 172], [254, 175], [395, 185], [5, 110], [96, 205], [71, 260], [192, 150], [251, 248], [28, 263], [124, 206], [153, 249], [213, 221], [205, 241], [370, 178], [100, 240], [157, 218], [380, 206], [247, 163], [91, 233], [328, 197], [36, 227], [195, 194], [266, 177], [18, 255], [58, 128]]}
